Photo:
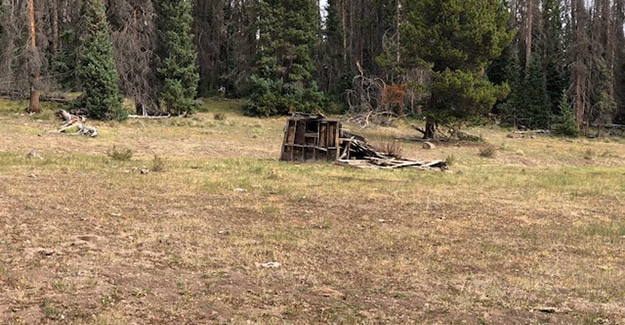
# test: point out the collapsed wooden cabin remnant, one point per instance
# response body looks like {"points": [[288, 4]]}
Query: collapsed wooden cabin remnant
{"points": [[315, 137], [310, 137]]}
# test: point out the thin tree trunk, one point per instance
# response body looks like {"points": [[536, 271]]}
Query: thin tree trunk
{"points": [[576, 73], [344, 30], [55, 26], [397, 25], [528, 37], [34, 66]]}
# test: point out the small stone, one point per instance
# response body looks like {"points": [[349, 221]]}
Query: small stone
{"points": [[269, 265], [428, 145], [144, 171], [548, 310], [33, 154], [240, 190]]}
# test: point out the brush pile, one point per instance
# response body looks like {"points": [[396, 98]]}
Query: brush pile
{"points": [[357, 153]]}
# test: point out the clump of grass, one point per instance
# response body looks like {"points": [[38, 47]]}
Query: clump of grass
{"points": [[220, 116], [450, 160], [158, 164], [488, 151], [121, 155], [612, 229], [390, 148], [609, 154], [589, 154]]}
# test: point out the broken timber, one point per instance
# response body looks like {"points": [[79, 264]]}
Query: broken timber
{"points": [[71, 121], [310, 137]]}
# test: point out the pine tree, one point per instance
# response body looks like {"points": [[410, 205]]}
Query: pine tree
{"points": [[554, 57], [457, 39], [535, 111], [565, 123], [505, 70], [96, 66], [178, 70], [283, 71]]}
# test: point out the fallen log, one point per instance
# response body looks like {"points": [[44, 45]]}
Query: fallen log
{"points": [[150, 117], [71, 121]]}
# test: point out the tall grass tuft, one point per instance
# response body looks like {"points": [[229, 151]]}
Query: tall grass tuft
{"points": [[488, 151], [390, 148], [120, 155], [158, 164]]}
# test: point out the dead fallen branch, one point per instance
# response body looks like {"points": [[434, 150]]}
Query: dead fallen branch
{"points": [[150, 117], [358, 153], [74, 123]]}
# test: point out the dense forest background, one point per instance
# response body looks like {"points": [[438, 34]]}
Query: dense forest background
{"points": [[535, 63]]}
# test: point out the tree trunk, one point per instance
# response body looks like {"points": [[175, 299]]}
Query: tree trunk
{"points": [[577, 63], [528, 37], [55, 26], [33, 58], [430, 128]]}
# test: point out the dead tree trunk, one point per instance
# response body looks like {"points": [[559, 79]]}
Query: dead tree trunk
{"points": [[528, 36], [33, 61], [55, 26]]}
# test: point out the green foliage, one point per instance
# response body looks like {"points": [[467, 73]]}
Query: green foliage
{"points": [[458, 39], [457, 96], [284, 65], [63, 64], [554, 56], [565, 123], [272, 97], [604, 106], [505, 69], [178, 68], [455, 34], [536, 112], [96, 66]]}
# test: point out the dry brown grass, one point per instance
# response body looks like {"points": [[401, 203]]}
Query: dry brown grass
{"points": [[527, 238]]}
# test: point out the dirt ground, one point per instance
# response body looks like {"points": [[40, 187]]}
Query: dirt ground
{"points": [[534, 234]]}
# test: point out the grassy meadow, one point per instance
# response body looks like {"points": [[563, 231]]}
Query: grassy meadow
{"points": [[173, 221]]}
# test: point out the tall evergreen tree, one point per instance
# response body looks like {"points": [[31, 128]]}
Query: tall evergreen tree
{"points": [[96, 66], [178, 69], [333, 75], [565, 121], [554, 54], [506, 69], [457, 39], [283, 76], [534, 109]]}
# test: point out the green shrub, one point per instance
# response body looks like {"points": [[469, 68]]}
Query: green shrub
{"points": [[273, 98]]}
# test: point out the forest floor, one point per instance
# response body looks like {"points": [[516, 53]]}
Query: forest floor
{"points": [[533, 234]]}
